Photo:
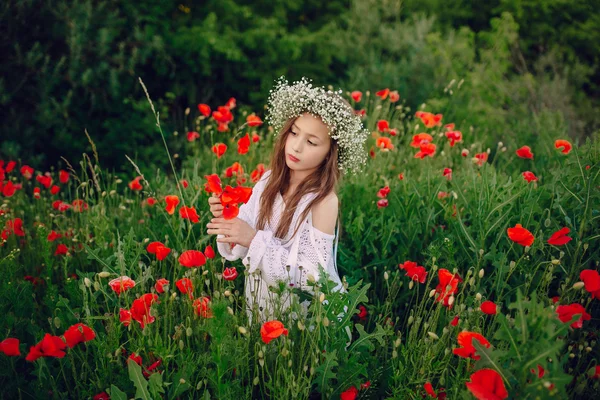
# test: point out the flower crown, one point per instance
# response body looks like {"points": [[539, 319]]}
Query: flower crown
{"points": [[288, 101]]}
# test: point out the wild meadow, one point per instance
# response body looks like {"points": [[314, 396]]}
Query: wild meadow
{"points": [[471, 269]]}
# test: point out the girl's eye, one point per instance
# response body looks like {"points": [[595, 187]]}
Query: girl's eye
{"points": [[311, 143], [293, 133]]}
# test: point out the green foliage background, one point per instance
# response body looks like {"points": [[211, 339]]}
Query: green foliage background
{"points": [[528, 66]]}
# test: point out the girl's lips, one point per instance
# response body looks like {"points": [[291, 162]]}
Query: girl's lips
{"points": [[291, 157]]}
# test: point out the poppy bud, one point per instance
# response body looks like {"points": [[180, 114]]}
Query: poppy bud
{"points": [[301, 326], [578, 285], [242, 330], [104, 274], [451, 300], [481, 273], [431, 293], [255, 381], [87, 282], [478, 296], [322, 297], [555, 261], [386, 276], [433, 335]]}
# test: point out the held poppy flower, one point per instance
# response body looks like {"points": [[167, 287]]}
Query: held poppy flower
{"points": [[465, 341], [591, 279], [135, 184], [486, 384], [159, 249], [383, 93], [121, 284], [209, 252], [160, 285], [426, 149], [10, 347], [189, 213], [238, 194], [529, 176], [383, 125], [349, 394], [229, 274], [520, 235], [488, 307], [566, 313], [204, 109], [219, 149], [394, 96], [356, 96], [213, 184], [191, 136], [172, 202], [185, 286], [78, 333], [420, 138], [49, 346], [565, 144], [192, 258], [201, 307], [272, 330], [454, 137], [560, 237], [253, 120], [230, 211], [415, 272], [244, 144], [525, 152]]}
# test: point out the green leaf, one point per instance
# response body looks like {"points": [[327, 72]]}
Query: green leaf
{"points": [[141, 385], [178, 387], [365, 338], [156, 384], [324, 372], [116, 393]]}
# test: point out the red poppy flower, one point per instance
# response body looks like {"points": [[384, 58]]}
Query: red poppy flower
{"points": [[454, 137], [384, 143], [61, 250], [15, 226], [45, 180], [488, 307], [189, 213], [565, 144], [204, 109], [349, 394], [414, 271], [560, 237], [79, 205], [465, 341], [10, 347], [159, 249], [362, 313], [236, 168], [382, 203], [255, 137], [429, 119], [213, 184], [383, 192], [420, 138], [238, 194], [356, 96], [272, 330], [125, 316], [192, 258], [525, 152], [253, 120], [540, 371], [219, 149], [36, 193], [63, 176], [135, 184], [140, 309], [209, 252], [455, 320], [191, 136], [78, 333], [529, 176], [121, 284], [230, 103], [136, 358], [566, 313], [591, 279], [429, 389], [223, 115], [383, 93], [230, 211], [244, 144], [229, 274], [520, 235], [49, 346], [185, 286], [394, 96], [9, 189], [201, 307], [446, 279], [486, 384], [447, 173], [480, 158], [151, 201], [102, 396], [426, 149], [172, 202], [383, 125], [27, 172]]}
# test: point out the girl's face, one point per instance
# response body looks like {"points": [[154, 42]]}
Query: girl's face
{"points": [[308, 142]]}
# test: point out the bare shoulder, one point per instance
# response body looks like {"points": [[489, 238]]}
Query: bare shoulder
{"points": [[325, 214]]}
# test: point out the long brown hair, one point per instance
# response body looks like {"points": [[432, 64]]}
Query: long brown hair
{"points": [[322, 182]]}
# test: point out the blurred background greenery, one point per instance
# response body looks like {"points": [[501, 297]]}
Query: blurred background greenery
{"points": [[528, 67]]}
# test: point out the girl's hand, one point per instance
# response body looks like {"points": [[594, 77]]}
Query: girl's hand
{"points": [[216, 208], [236, 231]]}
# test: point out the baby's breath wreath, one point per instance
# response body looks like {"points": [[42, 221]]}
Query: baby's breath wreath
{"points": [[287, 101]]}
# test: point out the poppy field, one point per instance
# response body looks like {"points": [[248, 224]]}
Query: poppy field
{"points": [[471, 268]]}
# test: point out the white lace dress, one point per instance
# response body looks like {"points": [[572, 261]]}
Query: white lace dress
{"points": [[267, 256]]}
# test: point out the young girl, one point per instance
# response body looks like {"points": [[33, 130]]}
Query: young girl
{"points": [[287, 226]]}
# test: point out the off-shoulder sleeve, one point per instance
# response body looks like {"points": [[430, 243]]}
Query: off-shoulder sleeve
{"points": [[247, 212], [270, 255]]}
